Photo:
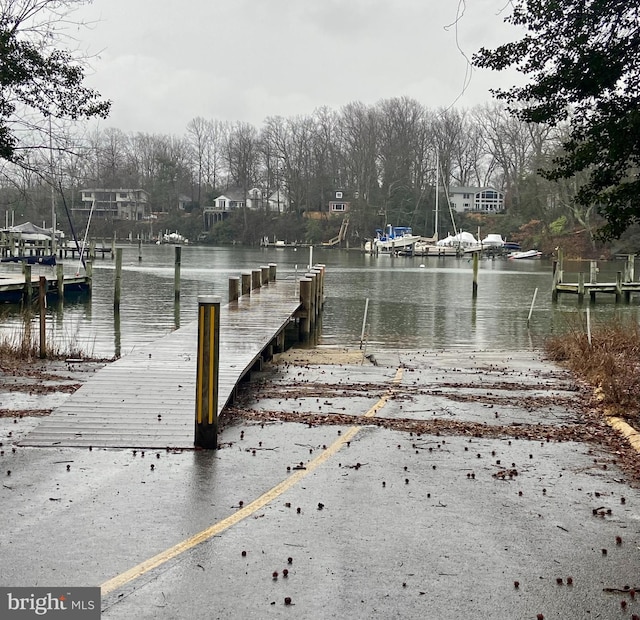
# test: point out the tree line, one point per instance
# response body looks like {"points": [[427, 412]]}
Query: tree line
{"points": [[383, 156]]}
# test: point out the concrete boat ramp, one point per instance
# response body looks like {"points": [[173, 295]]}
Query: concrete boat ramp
{"points": [[439, 485]]}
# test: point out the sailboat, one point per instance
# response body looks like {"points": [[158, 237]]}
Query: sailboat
{"points": [[452, 245]]}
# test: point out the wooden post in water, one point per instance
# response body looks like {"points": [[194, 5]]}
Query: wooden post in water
{"points": [[113, 246], [139, 250], [234, 288], [272, 272], [206, 425], [246, 283], [27, 284], [475, 275], [89, 273], [533, 303], [618, 287], [178, 259], [118, 280], [264, 269], [580, 287], [60, 279], [629, 275], [42, 299]]}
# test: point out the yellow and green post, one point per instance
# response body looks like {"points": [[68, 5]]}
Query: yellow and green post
{"points": [[206, 427]]}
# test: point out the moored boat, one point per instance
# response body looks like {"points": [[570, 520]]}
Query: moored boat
{"points": [[393, 239], [526, 254]]}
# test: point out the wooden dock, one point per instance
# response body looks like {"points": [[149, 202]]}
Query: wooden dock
{"points": [[16, 289], [146, 400], [624, 285]]}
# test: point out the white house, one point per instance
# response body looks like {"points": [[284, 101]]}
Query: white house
{"points": [[120, 204], [279, 202], [476, 199]]}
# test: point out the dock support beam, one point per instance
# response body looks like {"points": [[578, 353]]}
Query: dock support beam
{"points": [[206, 425]]}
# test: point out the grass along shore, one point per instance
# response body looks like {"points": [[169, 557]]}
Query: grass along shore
{"points": [[610, 362]]}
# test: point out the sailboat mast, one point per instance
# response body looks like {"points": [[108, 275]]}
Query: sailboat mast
{"points": [[435, 224], [53, 194]]}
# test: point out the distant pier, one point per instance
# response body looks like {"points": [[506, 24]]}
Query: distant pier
{"points": [[587, 284]]}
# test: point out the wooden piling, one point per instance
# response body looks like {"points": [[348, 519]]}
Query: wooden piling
{"points": [[60, 279], [27, 284], [139, 250], [474, 293], [306, 291], [618, 287], [42, 304], [176, 280], [118, 280], [256, 278], [234, 288], [206, 423], [580, 287], [264, 269], [246, 283], [272, 272]]}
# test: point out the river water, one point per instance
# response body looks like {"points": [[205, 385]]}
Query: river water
{"points": [[414, 302]]}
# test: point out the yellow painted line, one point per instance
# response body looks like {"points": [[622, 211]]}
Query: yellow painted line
{"points": [[219, 527], [625, 430]]}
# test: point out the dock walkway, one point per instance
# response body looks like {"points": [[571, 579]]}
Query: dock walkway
{"points": [[146, 399]]}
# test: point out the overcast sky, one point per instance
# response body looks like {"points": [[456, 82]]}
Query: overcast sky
{"points": [[165, 62]]}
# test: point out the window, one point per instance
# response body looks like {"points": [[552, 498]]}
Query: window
{"points": [[222, 204], [123, 194], [338, 194], [338, 206]]}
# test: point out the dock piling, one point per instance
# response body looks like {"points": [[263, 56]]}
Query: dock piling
{"points": [[178, 260], [475, 275], [206, 426], [42, 302], [118, 280], [234, 288], [27, 284]]}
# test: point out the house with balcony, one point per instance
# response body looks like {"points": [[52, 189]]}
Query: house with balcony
{"points": [[116, 204], [476, 200]]}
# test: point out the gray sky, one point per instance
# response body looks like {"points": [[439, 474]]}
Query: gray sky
{"points": [[165, 62]]}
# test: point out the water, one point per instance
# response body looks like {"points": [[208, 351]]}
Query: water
{"points": [[414, 303]]}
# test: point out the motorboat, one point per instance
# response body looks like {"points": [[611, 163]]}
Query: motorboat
{"points": [[391, 240], [526, 254]]}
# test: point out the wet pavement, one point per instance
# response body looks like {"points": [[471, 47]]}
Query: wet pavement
{"points": [[436, 485]]}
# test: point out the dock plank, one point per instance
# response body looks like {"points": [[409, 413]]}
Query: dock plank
{"points": [[147, 398]]}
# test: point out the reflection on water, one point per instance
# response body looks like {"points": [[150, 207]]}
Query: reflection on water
{"points": [[414, 303]]}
